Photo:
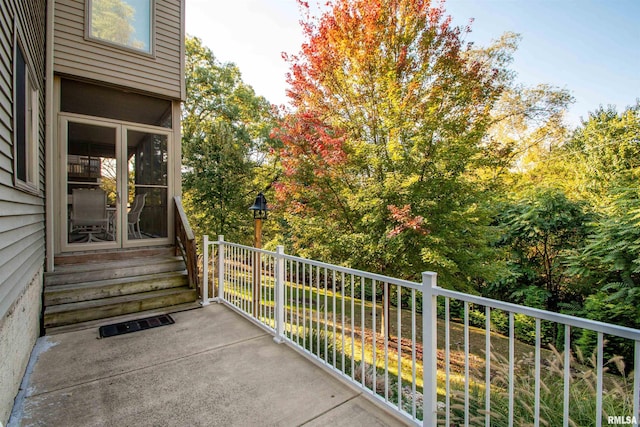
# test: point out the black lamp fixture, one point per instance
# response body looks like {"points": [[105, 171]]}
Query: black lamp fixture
{"points": [[259, 207]]}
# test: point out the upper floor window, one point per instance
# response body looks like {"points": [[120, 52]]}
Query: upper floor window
{"points": [[126, 23], [25, 144]]}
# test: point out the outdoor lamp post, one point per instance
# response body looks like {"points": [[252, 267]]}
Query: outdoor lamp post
{"points": [[259, 209]]}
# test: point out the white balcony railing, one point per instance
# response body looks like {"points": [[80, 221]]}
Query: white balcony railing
{"points": [[413, 346]]}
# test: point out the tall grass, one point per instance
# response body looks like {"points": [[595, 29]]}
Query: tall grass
{"points": [[617, 392]]}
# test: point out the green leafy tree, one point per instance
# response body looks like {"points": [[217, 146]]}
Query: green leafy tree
{"points": [[380, 156], [527, 128], [225, 128], [605, 152], [541, 231]]}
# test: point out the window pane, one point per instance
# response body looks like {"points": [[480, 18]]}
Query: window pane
{"points": [[124, 22], [147, 158], [20, 120], [151, 221]]}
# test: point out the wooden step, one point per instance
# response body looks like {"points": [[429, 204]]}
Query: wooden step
{"points": [[94, 271], [91, 324], [85, 291], [76, 312], [112, 255]]}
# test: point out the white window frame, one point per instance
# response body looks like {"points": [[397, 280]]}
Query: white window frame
{"points": [[152, 32], [31, 117]]}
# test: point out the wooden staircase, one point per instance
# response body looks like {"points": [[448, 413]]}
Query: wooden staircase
{"points": [[95, 288]]}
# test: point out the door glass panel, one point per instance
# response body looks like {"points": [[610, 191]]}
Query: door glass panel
{"points": [[91, 183], [147, 190]]}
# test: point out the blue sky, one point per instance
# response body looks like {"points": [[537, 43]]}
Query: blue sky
{"points": [[590, 47]]}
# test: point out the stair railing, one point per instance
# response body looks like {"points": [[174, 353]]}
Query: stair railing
{"points": [[186, 243]]}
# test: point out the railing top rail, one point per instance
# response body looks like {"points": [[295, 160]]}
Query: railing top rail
{"points": [[578, 322], [183, 218]]}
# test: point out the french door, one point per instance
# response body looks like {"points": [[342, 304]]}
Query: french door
{"points": [[114, 190]]}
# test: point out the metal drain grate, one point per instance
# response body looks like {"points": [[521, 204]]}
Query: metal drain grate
{"points": [[135, 325]]}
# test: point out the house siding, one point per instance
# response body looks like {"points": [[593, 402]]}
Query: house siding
{"points": [[74, 55], [22, 236]]}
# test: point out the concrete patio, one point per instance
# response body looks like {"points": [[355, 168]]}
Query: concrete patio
{"points": [[211, 368]]}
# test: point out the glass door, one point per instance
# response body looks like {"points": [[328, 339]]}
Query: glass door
{"points": [[116, 187], [90, 190], [147, 186]]}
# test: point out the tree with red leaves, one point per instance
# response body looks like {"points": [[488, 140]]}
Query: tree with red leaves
{"points": [[381, 150]]}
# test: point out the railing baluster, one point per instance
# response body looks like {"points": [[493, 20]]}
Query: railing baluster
{"points": [[248, 286], [259, 289], [567, 375], [399, 338], [335, 331], [466, 364], [226, 271], [288, 292], [248, 298], [447, 361], [292, 300], [304, 306], [234, 276], [599, 368], [375, 347], [487, 366], [237, 277], [636, 380], [362, 331], [536, 412], [413, 354], [326, 320], [311, 340], [385, 328], [511, 365], [245, 301], [308, 305]]}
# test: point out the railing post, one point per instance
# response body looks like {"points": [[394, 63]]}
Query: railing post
{"points": [[220, 269], [279, 338], [205, 273], [429, 353]]}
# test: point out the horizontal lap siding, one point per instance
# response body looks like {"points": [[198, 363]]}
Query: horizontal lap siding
{"points": [[161, 75], [22, 236]]}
